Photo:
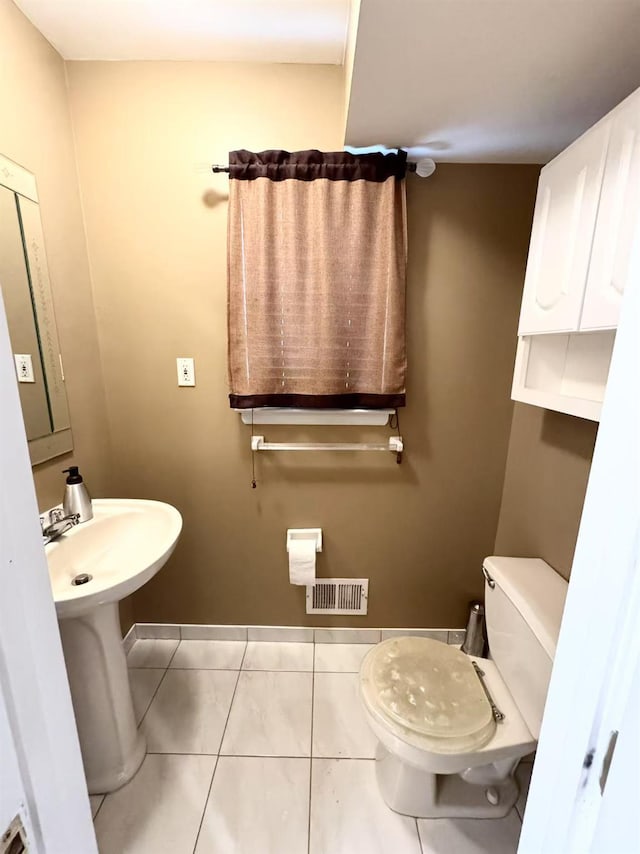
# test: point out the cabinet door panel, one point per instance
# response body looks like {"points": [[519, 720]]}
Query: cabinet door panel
{"points": [[563, 226], [617, 216]]}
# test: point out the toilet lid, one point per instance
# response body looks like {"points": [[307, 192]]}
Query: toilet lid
{"points": [[428, 688]]}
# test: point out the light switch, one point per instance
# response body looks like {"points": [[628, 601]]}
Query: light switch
{"points": [[186, 371], [24, 367]]}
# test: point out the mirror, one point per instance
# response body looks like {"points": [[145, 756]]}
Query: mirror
{"points": [[26, 291]]}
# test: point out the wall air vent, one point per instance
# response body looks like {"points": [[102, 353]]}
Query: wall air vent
{"points": [[338, 596]]}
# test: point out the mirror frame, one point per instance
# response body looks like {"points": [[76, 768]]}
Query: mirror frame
{"points": [[19, 180]]}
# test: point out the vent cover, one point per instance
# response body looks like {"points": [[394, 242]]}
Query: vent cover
{"points": [[338, 596]]}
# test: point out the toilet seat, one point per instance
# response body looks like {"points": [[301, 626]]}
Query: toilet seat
{"points": [[429, 693]]}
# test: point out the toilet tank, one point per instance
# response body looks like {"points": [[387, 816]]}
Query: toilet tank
{"points": [[524, 601]]}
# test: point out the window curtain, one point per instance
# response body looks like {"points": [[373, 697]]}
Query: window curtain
{"points": [[316, 279]]}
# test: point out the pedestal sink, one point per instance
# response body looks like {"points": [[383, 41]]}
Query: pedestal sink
{"points": [[93, 567]]}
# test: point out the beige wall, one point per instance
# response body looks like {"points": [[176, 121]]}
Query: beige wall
{"points": [[544, 487], [157, 239], [36, 132], [156, 223]]}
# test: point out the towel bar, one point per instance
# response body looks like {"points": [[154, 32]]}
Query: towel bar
{"points": [[394, 444]]}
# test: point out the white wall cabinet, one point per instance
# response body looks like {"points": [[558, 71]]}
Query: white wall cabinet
{"points": [[617, 215], [586, 210], [563, 226]]}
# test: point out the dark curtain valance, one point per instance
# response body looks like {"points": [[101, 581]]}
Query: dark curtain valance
{"points": [[309, 165], [318, 401]]}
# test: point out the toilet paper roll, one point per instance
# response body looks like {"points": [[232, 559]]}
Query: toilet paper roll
{"points": [[302, 561]]}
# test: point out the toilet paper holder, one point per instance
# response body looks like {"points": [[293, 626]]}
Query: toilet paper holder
{"points": [[297, 534]]}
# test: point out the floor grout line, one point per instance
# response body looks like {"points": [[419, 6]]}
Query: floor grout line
{"points": [[176, 753], [263, 756], [144, 669], [215, 767], [313, 687], [243, 669], [419, 839], [338, 758], [206, 803], [155, 693], [255, 670], [104, 798], [247, 755]]}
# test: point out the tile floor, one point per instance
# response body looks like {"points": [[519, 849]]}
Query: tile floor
{"points": [[261, 747]]}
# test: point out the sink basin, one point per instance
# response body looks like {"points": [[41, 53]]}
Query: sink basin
{"points": [[113, 554], [121, 548]]}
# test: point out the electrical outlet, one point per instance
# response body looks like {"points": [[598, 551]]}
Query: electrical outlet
{"points": [[186, 371], [24, 367]]}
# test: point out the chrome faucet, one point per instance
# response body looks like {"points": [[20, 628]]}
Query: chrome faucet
{"points": [[54, 524]]}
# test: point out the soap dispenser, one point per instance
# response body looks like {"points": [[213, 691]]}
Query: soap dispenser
{"points": [[76, 498]]}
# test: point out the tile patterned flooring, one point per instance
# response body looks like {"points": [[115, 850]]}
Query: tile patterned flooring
{"points": [[262, 748]]}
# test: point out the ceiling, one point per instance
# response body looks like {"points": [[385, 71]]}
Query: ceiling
{"points": [[509, 81], [485, 81], [303, 31]]}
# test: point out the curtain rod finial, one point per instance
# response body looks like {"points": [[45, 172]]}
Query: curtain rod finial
{"points": [[425, 167]]}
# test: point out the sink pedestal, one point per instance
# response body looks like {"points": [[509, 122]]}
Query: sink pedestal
{"points": [[112, 748]]}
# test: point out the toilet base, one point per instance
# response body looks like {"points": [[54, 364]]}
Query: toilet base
{"points": [[421, 794]]}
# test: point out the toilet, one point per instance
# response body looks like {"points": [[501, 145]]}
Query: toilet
{"points": [[452, 728]]}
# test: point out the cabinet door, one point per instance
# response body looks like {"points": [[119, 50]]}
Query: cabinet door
{"points": [[617, 216], [563, 226]]}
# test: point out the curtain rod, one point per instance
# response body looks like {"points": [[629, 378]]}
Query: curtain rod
{"points": [[217, 167]]}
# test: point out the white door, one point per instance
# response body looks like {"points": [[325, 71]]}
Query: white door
{"points": [[41, 772], [617, 214], [563, 225], [593, 692], [13, 798], [616, 829]]}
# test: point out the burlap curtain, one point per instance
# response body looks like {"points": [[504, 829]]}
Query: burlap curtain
{"points": [[316, 277]]}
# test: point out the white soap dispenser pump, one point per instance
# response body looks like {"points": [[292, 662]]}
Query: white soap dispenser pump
{"points": [[76, 497]]}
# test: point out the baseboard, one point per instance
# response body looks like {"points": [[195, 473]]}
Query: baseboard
{"points": [[295, 634], [129, 639]]}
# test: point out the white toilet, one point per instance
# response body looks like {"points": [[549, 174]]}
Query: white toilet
{"points": [[444, 750]]}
